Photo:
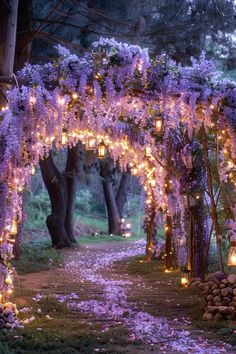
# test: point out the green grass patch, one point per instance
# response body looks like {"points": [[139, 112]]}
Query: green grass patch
{"points": [[66, 332], [165, 297], [38, 256], [106, 239]]}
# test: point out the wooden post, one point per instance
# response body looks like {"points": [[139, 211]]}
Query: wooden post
{"points": [[168, 227], [168, 245], [214, 213], [8, 26]]}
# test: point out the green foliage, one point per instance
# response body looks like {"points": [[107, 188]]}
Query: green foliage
{"points": [[107, 238], [83, 202], [37, 208], [4, 349], [37, 256]]}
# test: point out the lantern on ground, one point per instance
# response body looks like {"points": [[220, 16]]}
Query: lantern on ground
{"points": [[148, 151], [102, 149], [232, 254], [185, 276], [91, 143], [158, 124]]}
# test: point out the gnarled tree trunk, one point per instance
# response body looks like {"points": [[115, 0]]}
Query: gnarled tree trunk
{"points": [[71, 179], [122, 192], [106, 172], [61, 189], [56, 187]]}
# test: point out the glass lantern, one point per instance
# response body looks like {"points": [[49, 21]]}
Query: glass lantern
{"points": [[102, 150], [91, 143], [64, 137], [158, 123], [232, 254], [184, 277]]}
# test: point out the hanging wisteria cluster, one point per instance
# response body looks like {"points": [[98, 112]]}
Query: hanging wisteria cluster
{"points": [[113, 98]]}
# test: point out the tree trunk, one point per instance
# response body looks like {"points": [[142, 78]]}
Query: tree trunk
{"points": [[71, 179], [122, 192], [168, 244], [214, 213], [114, 226], [168, 227], [56, 186], [151, 235], [198, 239]]}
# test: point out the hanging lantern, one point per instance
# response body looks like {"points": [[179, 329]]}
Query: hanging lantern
{"points": [[102, 149], [158, 124], [91, 143], [232, 254], [148, 151], [185, 276], [64, 137]]}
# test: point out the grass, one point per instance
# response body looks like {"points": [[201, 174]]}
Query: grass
{"points": [[37, 256], [65, 333], [99, 223], [106, 238], [167, 298]]}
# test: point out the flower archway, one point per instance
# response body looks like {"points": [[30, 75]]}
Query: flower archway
{"points": [[145, 112]]}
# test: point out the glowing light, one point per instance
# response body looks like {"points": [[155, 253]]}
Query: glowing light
{"points": [[102, 149], [158, 124], [184, 281], [148, 151], [9, 292], [75, 95], [13, 228], [91, 143], [32, 171], [232, 255], [33, 100], [8, 280], [152, 183], [61, 101], [64, 137], [134, 171]]}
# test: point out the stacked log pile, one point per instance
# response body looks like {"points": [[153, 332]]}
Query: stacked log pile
{"points": [[220, 296]]}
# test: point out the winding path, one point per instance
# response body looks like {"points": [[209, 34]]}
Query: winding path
{"points": [[90, 285]]}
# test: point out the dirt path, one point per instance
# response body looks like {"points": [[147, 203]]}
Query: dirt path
{"points": [[103, 293]]}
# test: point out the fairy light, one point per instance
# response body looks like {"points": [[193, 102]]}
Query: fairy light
{"points": [[132, 106], [148, 151], [32, 171], [61, 101], [32, 100], [75, 95]]}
